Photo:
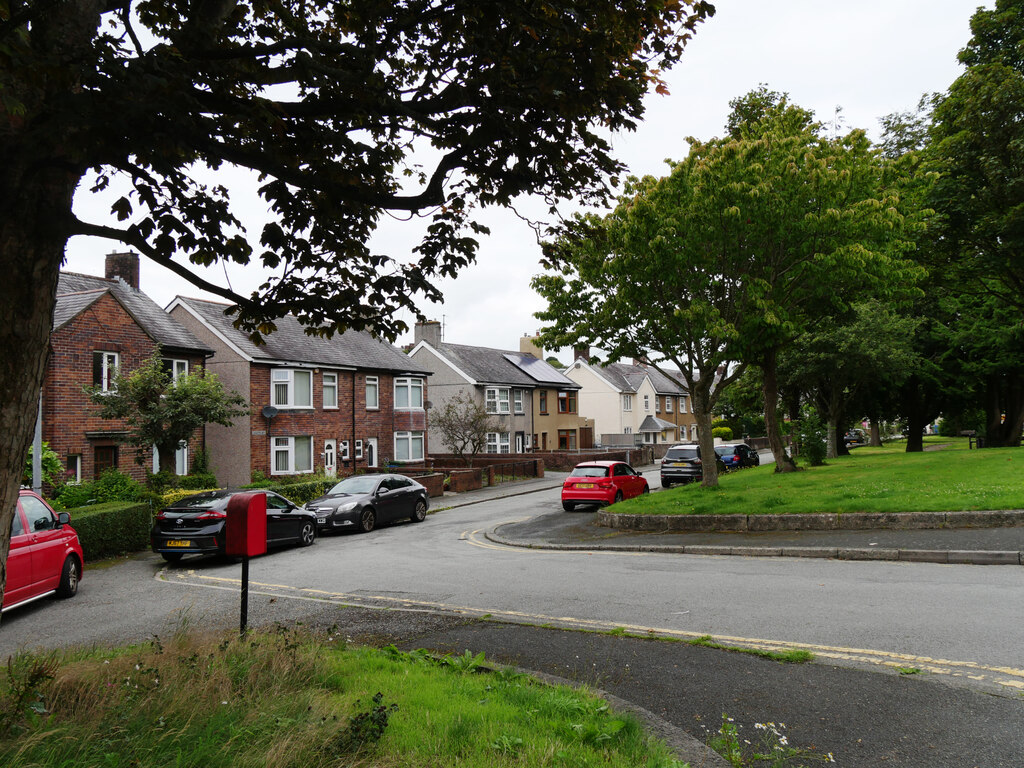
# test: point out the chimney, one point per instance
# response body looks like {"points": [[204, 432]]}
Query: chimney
{"points": [[528, 345], [641, 361], [428, 331], [124, 266], [581, 353]]}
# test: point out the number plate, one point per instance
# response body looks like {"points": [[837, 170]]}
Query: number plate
{"points": [[177, 543], [321, 520], [584, 485]]}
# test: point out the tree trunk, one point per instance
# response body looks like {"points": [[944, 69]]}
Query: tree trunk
{"points": [[1004, 410], [876, 432], [783, 462], [916, 422], [705, 439]]}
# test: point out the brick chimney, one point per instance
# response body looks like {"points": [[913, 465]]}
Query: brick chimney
{"points": [[125, 266], [428, 331], [581, 353], [528, 345]]}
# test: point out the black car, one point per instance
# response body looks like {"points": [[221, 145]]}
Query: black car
{"points": [[195, 524], [360, 502], [682, 464], [738, 455]]}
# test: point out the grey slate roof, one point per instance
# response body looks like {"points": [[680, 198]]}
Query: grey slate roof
{"points": [[290, 343], [76, 292], [500, 366], [628, 378], [654, 424]]}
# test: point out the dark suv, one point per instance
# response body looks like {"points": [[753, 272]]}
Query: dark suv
{"points": [[682, 464]]}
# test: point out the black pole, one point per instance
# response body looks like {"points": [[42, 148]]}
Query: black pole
{"points": [[245, 596]]}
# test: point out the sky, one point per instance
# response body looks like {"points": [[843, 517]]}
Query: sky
{"points": [[869, 58]]}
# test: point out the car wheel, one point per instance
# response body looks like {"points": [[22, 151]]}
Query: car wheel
{"points": [[618, 497], [666, 483], [647, 489], [367, 520], [172, 557], [69, 577], [568, 506], [308, 534], [419, 514]]}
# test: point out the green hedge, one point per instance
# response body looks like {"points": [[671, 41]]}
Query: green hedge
{"points": [[298, 493], [113, 528]]}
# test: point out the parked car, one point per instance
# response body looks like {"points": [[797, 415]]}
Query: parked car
{"points": [[737, 455], [682, 464], [361, 502], [601, 482], [195, 524], [855, 437], [45, 557]]}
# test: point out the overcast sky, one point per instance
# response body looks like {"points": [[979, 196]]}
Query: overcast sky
{"points": [[869, 58]]}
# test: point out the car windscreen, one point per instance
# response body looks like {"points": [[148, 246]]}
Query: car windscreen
{"points": [[682, 453], [355, 484], [726, 450], [589, 472]]}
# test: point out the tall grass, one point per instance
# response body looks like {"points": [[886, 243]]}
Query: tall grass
{"points": [[280, 700]]}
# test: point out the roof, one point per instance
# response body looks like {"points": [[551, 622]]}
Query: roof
{"points": [[627, 377], [654, 424], [76, 292], [291, 344], [500, 366]]}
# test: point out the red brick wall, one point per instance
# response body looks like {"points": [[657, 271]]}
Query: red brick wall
{"points": [[327, 424], [67, 413]]}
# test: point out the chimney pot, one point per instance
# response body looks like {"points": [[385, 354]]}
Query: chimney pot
{"points": [[124, 266]]}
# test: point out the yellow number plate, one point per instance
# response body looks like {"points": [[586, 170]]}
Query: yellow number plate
{"points": [[584, 485], [178, 543]]}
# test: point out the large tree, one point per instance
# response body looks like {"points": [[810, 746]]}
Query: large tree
{"points": [[342, 111], [463, 424]]}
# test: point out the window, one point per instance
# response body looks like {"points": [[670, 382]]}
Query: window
{"points": [[408, 446], [499, 442], [542, 401], [73, 473], [104, 368], [628, 431], [682, 404], [668, 404], [359, 449], [408, 393], [372, 393], [496, 399], [627, 402], [330, 390], [181, 459], [517, 400], [290, 388], [657, 403], [567, 402], [39, 516], [104, 458], [647, 403], [567, 439], [175, 368], [343, 450], [291, 455]]}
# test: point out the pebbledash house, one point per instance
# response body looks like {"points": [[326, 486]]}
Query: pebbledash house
{"points": [[316, 404]]}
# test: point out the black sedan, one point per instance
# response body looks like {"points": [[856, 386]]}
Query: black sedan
{"points": [[195, 524], [361, 502]]}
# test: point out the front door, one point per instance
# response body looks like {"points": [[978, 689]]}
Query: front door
{"points": [[520, 441], [371, 451], [330, 457]]}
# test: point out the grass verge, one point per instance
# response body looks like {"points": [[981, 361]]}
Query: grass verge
{"points": [[281, 699], [880, 480]]}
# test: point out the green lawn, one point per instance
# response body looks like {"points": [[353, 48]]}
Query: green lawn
{"points": [[283, 699], [946, 478]]}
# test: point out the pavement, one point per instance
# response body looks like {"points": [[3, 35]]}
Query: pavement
{"points": [[863, 718]]}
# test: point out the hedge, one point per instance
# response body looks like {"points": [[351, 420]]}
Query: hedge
{"points": [[299, 493], [113, 528]]}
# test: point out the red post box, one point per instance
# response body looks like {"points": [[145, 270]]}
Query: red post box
{"points": [[245, 528]]}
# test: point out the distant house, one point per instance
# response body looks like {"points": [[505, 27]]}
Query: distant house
{"points": [[534, 404], [102, 325], [332, 405], [632, 402]]}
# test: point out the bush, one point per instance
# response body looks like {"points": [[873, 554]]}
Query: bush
{"points": [[302, 492], [198, 480], [112, 529], [723, 432], [177, 494], [111, 486], [812, 437]]}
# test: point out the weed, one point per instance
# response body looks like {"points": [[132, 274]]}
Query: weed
{"points": [[23, 699], [908, 670], [365, 728], [507, 745], [465, 663], [771, 749], [618, 632], [792, 656]]}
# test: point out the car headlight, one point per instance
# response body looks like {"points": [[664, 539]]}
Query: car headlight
{"points": [[347, 507]]}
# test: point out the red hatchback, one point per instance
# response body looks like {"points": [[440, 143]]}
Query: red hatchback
{"points": [[601, 482], [45, 556]]}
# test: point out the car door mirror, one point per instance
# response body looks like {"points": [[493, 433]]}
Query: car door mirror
{"points": [[63, 518]]}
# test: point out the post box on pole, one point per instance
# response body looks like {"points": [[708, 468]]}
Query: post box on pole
{"points": [[245, 536]]}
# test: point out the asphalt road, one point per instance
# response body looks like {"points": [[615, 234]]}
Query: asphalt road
{"points": [[958, 625]]}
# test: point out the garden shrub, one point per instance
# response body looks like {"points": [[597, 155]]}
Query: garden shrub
{"points": [[177, 494], [112, 485], [723, 432], [113, 528], [813, 437]]}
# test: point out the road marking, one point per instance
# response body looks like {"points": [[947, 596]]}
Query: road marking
{"points": [[1004, 677]]}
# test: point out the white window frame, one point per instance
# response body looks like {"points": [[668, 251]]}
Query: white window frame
{"points": [[499, 442], [647, 403], [518, 396], [496, 400], [330, 382], [627, 402], [374, 383], [628, 431], [359, 449], [343, 450], [414, 441], [111, 362], [179, 367], [413, 387], [286, 446], [657, 403], [286, 376], [74, 463], [682, 404], [668, 404]]}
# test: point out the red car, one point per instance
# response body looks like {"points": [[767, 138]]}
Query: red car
{"points": [[45, 556], [601, 482]]}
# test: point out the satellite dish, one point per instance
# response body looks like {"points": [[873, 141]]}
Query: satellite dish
{"points": [[269, 411]]}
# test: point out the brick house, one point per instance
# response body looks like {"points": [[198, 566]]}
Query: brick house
{"points": [[316, 404], [100, 325]]}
